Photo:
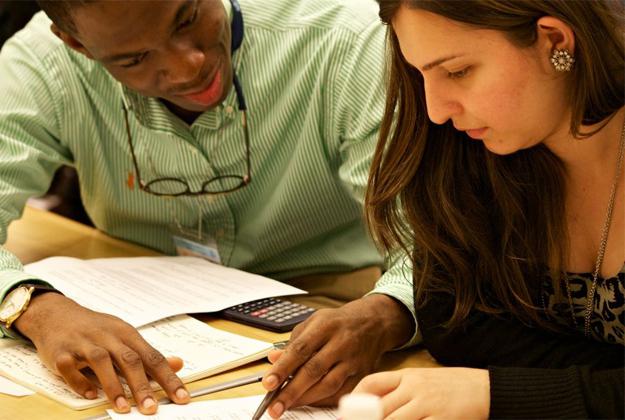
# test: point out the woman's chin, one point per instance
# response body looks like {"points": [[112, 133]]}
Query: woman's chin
{"points": [[499, 147]]}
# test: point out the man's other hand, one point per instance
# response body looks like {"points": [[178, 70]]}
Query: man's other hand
{"points": [[332, 350], [70, 338]]}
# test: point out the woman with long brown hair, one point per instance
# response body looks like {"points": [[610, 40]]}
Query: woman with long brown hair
{"points": [[500, 172]]}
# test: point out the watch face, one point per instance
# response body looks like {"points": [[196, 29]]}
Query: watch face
{"points": [[14, 302]]}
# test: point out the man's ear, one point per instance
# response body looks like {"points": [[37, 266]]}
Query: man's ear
{"points": [[70, 40]]}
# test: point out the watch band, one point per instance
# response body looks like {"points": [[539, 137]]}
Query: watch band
{"points": [[39, 288], [35, 289]]}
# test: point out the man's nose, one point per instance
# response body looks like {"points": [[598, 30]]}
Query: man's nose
{"points": [[183, 65]]}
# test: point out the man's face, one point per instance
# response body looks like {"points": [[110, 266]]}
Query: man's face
{"points": [[176, 50]]}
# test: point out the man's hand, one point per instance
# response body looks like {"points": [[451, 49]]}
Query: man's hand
{"points": [[70, 337], [331, 351], [431, 393]]}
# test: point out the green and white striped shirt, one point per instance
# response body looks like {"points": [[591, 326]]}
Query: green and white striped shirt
{"points": [[312, 76]]}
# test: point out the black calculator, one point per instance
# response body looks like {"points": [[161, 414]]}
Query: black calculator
{"points": [[270, 314]]}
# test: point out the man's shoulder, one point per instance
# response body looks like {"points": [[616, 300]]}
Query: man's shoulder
{"points": [[36, 43], [37, 38], [350, 16], [37, 66]]}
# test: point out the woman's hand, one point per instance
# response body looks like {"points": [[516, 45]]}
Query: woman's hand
{"points": [[424, 393]]}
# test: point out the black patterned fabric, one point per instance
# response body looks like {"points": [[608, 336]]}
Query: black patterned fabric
{"points": [[607, 321]]}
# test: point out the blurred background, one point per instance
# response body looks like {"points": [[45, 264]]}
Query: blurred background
{"points": [[63, 197]]}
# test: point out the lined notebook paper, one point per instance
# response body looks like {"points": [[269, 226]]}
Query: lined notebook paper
{"points": [[205, 351], [227, 409]]}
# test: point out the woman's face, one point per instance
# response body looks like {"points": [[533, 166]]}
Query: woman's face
{"points": [[506, 96]]}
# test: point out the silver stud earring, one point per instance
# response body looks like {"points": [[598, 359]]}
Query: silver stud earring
{"points": [[562, 60]]}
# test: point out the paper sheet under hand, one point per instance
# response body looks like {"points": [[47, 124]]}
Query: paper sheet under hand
{"points": [[9, 387], [228, 409], [204, 350], [141, 290]]}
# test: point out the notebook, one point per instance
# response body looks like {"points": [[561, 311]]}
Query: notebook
{"points": [[226, 409], [205, 351]]}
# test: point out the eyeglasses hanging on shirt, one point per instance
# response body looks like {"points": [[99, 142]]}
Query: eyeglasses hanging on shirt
{"points": [[175, 187]]}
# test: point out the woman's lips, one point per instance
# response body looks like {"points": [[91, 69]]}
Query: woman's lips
{"points": [[476, 133]]}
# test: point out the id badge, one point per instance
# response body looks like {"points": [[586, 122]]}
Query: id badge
{"points": [[187, 243]]}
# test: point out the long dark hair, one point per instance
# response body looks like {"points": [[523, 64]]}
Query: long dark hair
{"points": [[480, 226]]}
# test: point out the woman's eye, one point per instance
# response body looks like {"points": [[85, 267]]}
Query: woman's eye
{"points": [[458, 74]]}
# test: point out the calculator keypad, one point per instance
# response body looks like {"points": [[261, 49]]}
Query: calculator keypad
{"points": [[270, 313]]}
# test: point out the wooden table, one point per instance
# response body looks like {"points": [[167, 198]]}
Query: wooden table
{"points": [[41, 234]]}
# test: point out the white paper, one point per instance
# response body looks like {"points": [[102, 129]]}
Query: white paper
{"points": [[228, 409], [145, 289], [205, 351], [11, 388], [21, 363]]}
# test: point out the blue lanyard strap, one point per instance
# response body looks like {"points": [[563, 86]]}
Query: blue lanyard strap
{"points": [[237, 39]]}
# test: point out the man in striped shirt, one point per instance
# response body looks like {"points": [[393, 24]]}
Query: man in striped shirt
{"points": [[139, 98]]}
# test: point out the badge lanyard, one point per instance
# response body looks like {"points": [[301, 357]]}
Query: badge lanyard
{"points": [[185, 240]]}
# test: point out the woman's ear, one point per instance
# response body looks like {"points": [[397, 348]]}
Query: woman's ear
{"points": [[555, 44], [555, 34], [70, 40]]}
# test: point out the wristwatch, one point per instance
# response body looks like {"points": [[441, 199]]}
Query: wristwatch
{"points": [[16, 302]]}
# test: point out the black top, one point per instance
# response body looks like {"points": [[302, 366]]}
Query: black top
{"points": [[534, 373]]}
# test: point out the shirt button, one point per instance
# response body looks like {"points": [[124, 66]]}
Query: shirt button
{"points": [[229, 109]]}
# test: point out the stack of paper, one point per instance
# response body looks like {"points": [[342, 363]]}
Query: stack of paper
{"points": [[205, 351], [141, 291], [145, 289], [229, 409], [11, 388]]}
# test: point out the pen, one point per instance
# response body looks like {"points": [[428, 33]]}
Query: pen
{"points": [[271, 395], [245, 380], [279, 345]]}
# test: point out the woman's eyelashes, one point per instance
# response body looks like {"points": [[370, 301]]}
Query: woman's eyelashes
{"points": [[458, 74]]}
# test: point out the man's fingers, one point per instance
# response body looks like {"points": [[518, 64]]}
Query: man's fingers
{"points": [[331, 387], [100, 362], [333, 400], [294, 355], [131, 366], [175, 363], [274, 355], [311, 372], [159, 369], [67, 366]]}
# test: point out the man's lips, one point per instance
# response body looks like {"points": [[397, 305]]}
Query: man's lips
{"points": [[209, 94]]}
